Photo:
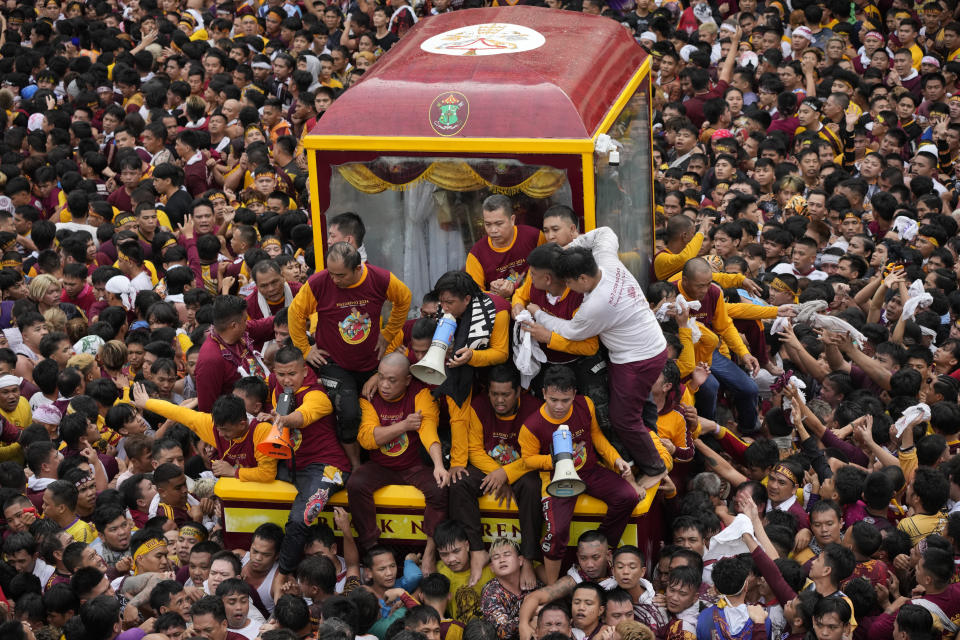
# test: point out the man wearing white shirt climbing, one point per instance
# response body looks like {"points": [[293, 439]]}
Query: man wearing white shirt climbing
{"points": [[615, 309]]}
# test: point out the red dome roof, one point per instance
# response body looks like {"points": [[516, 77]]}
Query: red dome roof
{"points": [[562, 88]]}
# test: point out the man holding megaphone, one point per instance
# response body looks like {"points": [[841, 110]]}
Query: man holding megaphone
{"points": [[564, 406]]}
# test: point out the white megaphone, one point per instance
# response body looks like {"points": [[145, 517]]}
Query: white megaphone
{"points": [[430, 368], [566, 483]]}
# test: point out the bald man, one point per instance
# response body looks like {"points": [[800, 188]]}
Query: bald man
{"points": [[231, 109], [696, 283], [395, 423]]}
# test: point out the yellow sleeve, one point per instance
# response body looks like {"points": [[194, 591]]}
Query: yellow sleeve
{"points": [[724, 326], [499, 348], [428, 408], [369, 420], [530, 451], [600, 442], [266, 469], [163, 220], [748, 311], [687, 360], [728, 280], [475, 269], [667, 264], [11, 452], [399, 294], [298, 315], [198, 422], [459, 432], [316, 404], [521, 294], [908, 463]]}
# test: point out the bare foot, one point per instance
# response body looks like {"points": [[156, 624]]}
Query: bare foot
{"points": [[648, 482], [528, 579], [641, 492]]}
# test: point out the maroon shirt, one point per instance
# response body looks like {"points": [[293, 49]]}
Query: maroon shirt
{"points": [[509, 264], [317, 442], [215, 375], [579, 422], [403, 452], [694, 105], [500, 434], [253, 304], [348, 320]]}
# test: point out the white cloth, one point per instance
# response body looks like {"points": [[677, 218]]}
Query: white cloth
{"points": [[797, 384], [265, 307], [527, 354], [38, 484], [911, 414], [917, 298], [121, 287], [251, 631], [787, 267], [906, 228], [727, 543], [809, 313], [681, 305], [616, 310], [736, 617]]}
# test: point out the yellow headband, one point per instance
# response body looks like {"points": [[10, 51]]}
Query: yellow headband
{"points": [[782, 470], [271, 241], [122, 256], [932, 241], [188, 530], [13, 264], [851, 214], [779, 285], [145, 548]]}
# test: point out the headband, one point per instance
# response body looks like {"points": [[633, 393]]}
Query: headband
{"points": [[874, 34], [123, 256], [260, 65], [271, 241], [10, 381], [829, 258], [851, 214], [690, 202], [123, 218], [13, 264], [82, 481], [779, 285], [145, 548], [931, 240], [9, 245], [189, 530], [954, 98], [849, 86], [786, 473], [169, 243]]}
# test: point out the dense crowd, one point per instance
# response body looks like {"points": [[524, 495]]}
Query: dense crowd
{"points": [[769, 415]]}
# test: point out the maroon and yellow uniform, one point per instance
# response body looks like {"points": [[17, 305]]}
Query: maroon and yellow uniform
{"points": [[559, 350], [486, 263], [316, 442], [241, 452], [348, 320]]}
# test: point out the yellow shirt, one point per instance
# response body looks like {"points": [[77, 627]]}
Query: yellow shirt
{"points": [[22, 416], [920, 526], [465, 603], [82, 531]]}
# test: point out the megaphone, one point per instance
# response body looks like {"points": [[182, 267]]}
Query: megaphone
{"points": [[278, 443], [566, 483], [431, 369]]}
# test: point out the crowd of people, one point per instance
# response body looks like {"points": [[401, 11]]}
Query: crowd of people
{"points": [[769, 412]]}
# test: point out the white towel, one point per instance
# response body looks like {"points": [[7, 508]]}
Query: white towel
{"points": [[727, 543], [527, 354], [911, 414], [917, 299], [906, 228], [681, 305]]}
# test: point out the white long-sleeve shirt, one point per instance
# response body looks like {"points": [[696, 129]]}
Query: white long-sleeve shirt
{"points": [[616, 310]]}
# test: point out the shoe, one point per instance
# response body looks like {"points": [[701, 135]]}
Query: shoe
{"points": [[315, 505]]}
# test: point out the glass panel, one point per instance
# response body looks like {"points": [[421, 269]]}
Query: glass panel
{"points": [[419, 230], [624, 192]]}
